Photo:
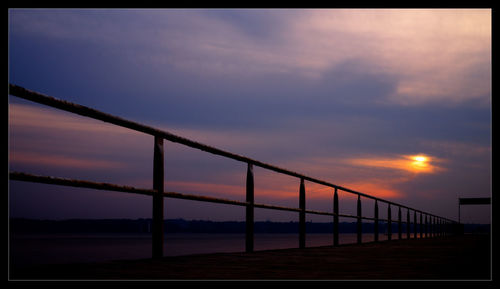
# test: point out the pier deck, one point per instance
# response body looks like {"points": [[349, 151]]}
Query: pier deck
{"points": [[447, 258]]}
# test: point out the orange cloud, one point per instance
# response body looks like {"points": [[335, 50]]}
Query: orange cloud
{"points": [[62, 161], [379, 189], [43, 118], [220, 189], [410, 163]]}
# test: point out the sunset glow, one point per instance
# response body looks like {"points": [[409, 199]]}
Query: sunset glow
{"points": [[420, 158], [421, 163], [395, 103], [410, 163]]}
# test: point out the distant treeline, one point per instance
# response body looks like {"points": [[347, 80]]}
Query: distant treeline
{"points": [[18, 225]]}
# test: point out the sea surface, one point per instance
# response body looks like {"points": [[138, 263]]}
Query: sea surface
{"points": [[36, 249]]}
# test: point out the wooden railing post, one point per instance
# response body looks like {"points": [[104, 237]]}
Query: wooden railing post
{"points": [[249, 221], [335, 218], [432, 226], [436, 227], [408, 224], [426, 226], [399, 224], [158, 179], [414, 224], [433, 221], [359, 223], [302, 215], [421, 227], [375, 227], [389, 222], [429, 226]]}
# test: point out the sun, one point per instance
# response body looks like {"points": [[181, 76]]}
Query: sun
{"points": [[420, 163], [420, 158]]}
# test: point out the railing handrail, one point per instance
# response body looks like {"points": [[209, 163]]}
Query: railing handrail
{"points": [[33, 96], [20, 176]]}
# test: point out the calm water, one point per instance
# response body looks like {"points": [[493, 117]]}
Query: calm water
{"points": [[29, 249]]}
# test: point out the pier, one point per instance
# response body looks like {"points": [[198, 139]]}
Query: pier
{"points": [[465, 257], [440, 252]]}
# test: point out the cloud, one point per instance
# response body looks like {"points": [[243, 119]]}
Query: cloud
{"points": [[437, 55], [44, 118], [440, 56], [342, 95], [45, 161], [51, 142], [411, 163]]}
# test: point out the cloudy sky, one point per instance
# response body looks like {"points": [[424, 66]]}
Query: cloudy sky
{"points": [[392, 103]]}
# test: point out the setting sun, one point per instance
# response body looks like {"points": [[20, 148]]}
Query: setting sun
{"points": [[420, 163], [420, 158], [413, 163]]}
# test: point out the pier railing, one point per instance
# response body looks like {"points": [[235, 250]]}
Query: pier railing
{"points": [[430, 225]]}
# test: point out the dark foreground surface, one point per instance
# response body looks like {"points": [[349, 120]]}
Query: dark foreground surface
{"points": [[447, 258]]}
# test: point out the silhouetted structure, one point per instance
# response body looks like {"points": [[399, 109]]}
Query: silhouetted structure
{"points": [[437, 226]]}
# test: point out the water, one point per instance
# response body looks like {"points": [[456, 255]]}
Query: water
{"points": [[36, 249]]}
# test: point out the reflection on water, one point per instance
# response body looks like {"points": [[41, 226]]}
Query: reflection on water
{"points": [[28, 249]]}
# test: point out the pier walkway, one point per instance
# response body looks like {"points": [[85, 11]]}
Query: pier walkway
{"points": [[466, 257]]}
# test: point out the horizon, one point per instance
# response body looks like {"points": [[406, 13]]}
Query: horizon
{"points": [[394, 222], [339, 95]]}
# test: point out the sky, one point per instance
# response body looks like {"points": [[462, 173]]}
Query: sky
{"points": [[392, 103]]}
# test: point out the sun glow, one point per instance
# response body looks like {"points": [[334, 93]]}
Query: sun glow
{"points": [[420, 158], [412, 163], [420, 163]]}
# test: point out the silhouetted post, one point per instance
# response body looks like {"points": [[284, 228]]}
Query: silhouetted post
{"points": [[426, 228], [434, 226], [399, 224], [430, 227], [438, 229], [335, 218], [415, 224], [433, 220], [249, 221], [302, 215], [421, 227], [359, 224], [389, 223], [158, 178], [375, 227], [408, 223]]}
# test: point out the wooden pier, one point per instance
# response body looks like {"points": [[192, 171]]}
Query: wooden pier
{"points": [[466, 257], [439, 253]]}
